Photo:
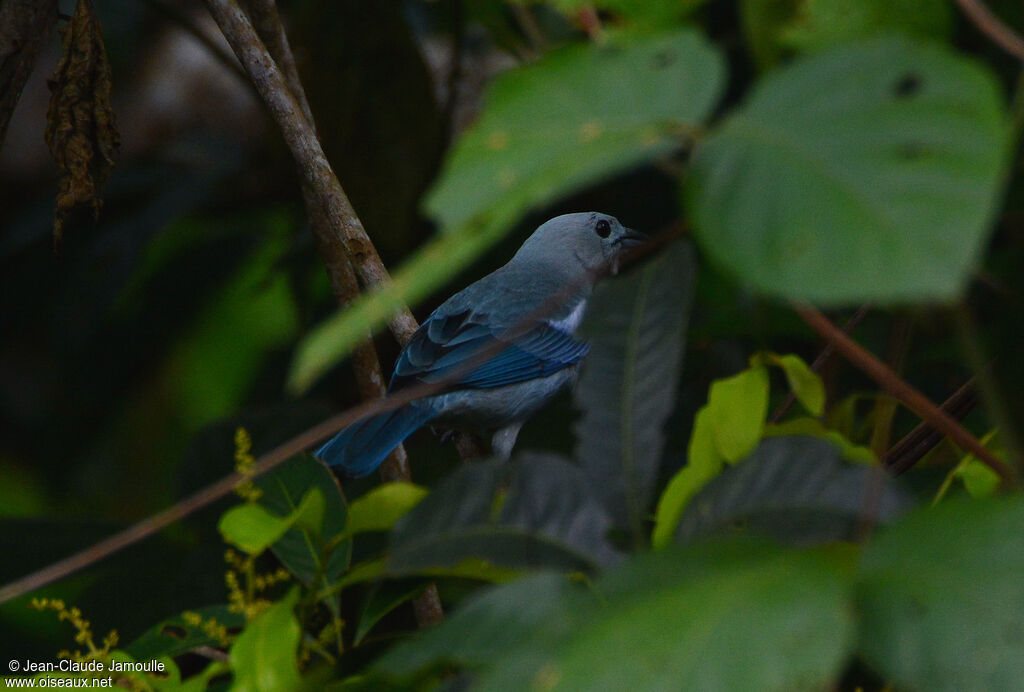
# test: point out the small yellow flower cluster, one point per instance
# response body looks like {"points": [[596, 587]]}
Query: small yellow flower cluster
{"points": [[244, 462], [262, 582], [211, 627], [244, 600], [83, 629]]}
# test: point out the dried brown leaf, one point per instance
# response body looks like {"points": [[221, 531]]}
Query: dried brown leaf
{"points": [[80, 126]]}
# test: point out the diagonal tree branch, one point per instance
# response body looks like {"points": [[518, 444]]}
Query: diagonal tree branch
{"points": [[344, 284], [302, 141], [898, 387], [993, 27]]}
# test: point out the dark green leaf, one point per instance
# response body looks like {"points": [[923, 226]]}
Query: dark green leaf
{"points": [[510, 617], [177, 635], [652, 13], [381, 600], [941, 598], [765, 620], [870, 172], [636, 326], [301, 551], [796, 488], [535, 511], [821, 24]]}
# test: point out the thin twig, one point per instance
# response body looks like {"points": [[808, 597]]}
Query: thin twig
{"points": [[993, 27], [923, 438], [344, 284], [819, 362], [898, 387], [309, 155]]}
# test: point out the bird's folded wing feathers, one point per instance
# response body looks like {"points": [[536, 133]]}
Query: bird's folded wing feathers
{"points": [[445, 345]]}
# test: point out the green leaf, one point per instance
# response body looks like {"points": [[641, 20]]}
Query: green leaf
{"points": [[777, 28], [788, 613], [379, 509], [382, 599], [703, 462], [491, 623], [653, 13], [573, 118], [737, 407], [176, 635], [868, 173], [796, 489], [533, 512], [263, 657], [253, 529], [578, 115], [726, 429], [814, 428], [979, 479], [804, 382], [301, 548], [940, 598], [821, 24], [636, 327]]}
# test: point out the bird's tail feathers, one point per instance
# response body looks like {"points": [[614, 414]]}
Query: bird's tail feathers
{"points": [[361, 447]]}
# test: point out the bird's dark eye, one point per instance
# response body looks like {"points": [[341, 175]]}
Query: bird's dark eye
{"points": [[603, 228]]}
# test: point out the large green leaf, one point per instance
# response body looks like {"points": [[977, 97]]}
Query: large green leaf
{"points": [[653, 13], [535, 511], [177, 635], [821, 24], [636, 327], [299, 549], [575, 117], [941, 597], [526, 612], [263, 658], [796, 488], [775, 28], [715, 617], [668, 625], [870, 172]]}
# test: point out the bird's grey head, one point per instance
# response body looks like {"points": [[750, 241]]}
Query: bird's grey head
{"points": [[588, 241]]}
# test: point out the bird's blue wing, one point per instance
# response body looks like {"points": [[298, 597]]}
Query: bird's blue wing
{"points": [[445, 345]]}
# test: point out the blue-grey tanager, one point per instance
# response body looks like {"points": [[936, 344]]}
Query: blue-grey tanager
{"points": [[507, 359]]}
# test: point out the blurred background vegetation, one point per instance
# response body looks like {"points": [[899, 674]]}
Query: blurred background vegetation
{"points": [[129, 356]]}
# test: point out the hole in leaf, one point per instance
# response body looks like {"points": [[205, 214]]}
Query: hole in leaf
{"points": [[663, 59], [173, 631], [907, 86], [911, 150]]}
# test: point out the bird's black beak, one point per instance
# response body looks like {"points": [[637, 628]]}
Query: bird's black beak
{"points": [[632, 238]]}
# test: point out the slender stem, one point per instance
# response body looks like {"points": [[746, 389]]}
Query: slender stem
{"points": [[344, 284], [301, 139], [993, 27], [820, 362], [923, 438], [911, 398]]}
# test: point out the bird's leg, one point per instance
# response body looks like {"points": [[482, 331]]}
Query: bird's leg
{"points": [[504, 440]]}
